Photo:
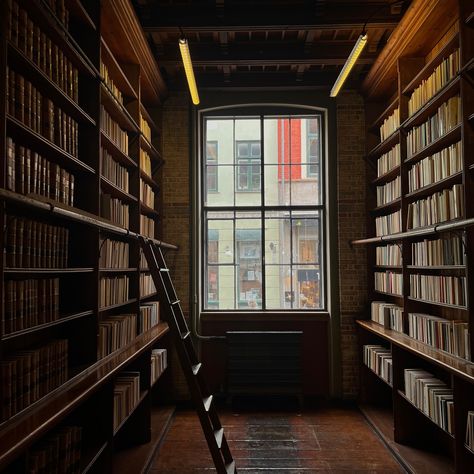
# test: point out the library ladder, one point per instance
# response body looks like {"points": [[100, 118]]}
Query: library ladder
{"points": [[192, 368]]}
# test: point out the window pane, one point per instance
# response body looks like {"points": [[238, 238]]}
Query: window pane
{"points": [[306, 282], [248, 186], [276, 140], [304, 189], [277, 240], [249, 284], [278, 294], [277, 185], [212, 288], [220, 287], [306, 238], [220, 241], [219, 190]]}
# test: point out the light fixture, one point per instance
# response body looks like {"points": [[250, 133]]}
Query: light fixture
{"points": [[351, 60], [188, 69]]}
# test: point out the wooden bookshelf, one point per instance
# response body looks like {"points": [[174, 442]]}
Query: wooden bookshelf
{"points": [[50, 269], [415, 439]]}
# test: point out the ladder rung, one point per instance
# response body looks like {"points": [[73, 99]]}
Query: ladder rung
{"points": [[230, 468], [196, 368], [164, 270], [175, 302], [218, 434], [185, 335], [207, 402]]}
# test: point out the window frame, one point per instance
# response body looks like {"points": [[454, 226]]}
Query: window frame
{"points": [[300, 112]]}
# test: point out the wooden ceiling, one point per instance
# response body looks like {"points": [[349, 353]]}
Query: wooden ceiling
{"points": [[265, 43]]}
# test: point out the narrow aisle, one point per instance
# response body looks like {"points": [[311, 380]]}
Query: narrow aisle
{"points": [[317, 440]]}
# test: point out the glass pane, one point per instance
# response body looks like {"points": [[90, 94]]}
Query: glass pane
{"points": [[296, 140], [220, 185], [277, 241], [304, 189], [277, 185], [306, 283], [248, 183], [274, 140], [306, 240], [220, 241], [220, 287], [249, 282], [211, 151], [220, 132], [278, 294]]}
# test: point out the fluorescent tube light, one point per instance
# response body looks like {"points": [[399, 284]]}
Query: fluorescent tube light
{"points": [[351, 60], [188, 69]]}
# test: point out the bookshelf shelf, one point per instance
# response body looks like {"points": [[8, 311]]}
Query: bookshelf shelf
{"points": [[89, 459], [116, 152], [386, 145], [416, 268], [117, 270], [147, 210], [40, 327], [436, 303], [468, 448], [116, 110], [402, 395], [393, 173], [395, 295], [377, 375], [431, 188], [426, 71], [421, 115], [148, 147], [47, 271], [390, 206], [103, 309], [442, 142], [150, 295], [388, 267], [149, 119], [51, 89], [150, 181], [116, 191], [18, 130]]}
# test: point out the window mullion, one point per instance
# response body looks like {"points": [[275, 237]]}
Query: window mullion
{"points": [[262, 214]]}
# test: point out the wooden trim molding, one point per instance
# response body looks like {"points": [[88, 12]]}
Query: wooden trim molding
{"points": [[423, 18]]}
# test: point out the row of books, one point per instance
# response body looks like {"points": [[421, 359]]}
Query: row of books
{"points": [[116, 332], [445, 251], [29, 303], [143, 261], [389, 191], [388, 224], [113, 290], [145, 128], [34, 244], [435, 168], [432, 396], [388, 255], [389, 282], [126, 396], [109, 82], [442, 74], [145, 162], [30, 173], [388, 161], [147, 287], [389, 315], [115, 210], [59, 452], [60, 11], [443, 206], [114, 254], [113, 171], [446, 118], [149, 316], [440, 333], [159, 363], [390, 124], [470, 430], [379, 359], [113, 130], [28, 375], [147, 196], [28, 37], [147, 226], [40, 114], [439, 289]]}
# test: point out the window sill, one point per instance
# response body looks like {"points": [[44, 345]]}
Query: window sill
{"points": [[295, 315]]}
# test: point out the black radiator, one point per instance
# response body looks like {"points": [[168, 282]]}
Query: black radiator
{"points": [[264, 362]]}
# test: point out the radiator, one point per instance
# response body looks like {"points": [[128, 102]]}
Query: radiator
{"points": [[264, 362]]}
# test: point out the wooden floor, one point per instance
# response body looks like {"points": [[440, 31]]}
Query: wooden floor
{"points": [[330, 439]]}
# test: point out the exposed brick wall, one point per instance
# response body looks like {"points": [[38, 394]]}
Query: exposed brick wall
{"points": [[351, 204], [351, 198], [176, 208]]}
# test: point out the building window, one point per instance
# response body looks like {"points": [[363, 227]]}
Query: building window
{"points": [[211, 165], [248, 169], [264, 247]]}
